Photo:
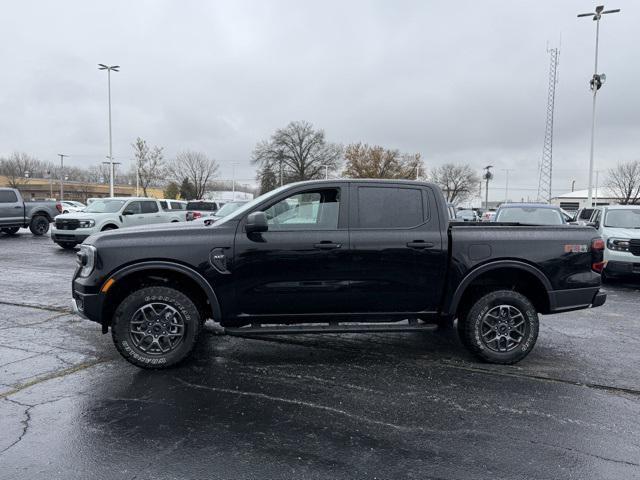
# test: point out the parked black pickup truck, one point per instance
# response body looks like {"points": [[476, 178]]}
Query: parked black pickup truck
{"points": [[335, 256]]}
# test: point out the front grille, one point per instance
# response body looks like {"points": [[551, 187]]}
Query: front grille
{"points": [[634, 246], [67, 224]]}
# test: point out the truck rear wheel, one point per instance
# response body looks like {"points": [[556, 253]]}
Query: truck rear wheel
{"points": [[500, 327], [39, 225], [156, 327]]}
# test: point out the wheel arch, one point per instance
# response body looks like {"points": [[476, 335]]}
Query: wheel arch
{"points": [[159, 272], [109, 223], [508, 274], [40, 213]]}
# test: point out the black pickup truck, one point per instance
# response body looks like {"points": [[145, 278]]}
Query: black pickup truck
{"points": [[335, 256]]}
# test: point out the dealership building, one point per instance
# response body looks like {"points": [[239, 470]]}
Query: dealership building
{"points": [[578, 199]]}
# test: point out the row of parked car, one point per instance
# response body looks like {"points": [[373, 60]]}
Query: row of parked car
{"points": [[103, 214], [74, 221]]}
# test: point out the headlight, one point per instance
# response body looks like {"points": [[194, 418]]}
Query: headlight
{"points": [[87, 223], [618, 244], [86, 259]]}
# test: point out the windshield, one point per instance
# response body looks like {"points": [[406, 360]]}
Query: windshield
{"points": [[466, 214], [202, 206], [228, 208], [530, 215], [104, 206], [623, 218]]}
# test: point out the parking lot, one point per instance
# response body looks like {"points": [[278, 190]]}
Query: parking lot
{"points": [[352, 406]]}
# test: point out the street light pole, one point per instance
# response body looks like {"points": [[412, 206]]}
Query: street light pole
{"points": [[487, 176], [112, 170], [62, 155], [115, 68], [595, 83]]}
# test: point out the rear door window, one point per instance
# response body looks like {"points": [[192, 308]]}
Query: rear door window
{"points": [[8, 196], [149, 207], [389, 207], [164, 206]]}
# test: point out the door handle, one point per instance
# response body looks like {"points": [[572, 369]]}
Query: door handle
{"points": [[17, 206], [419, 244], [326, 245]]}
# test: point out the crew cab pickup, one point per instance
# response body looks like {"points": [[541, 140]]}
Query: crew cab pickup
{"points": [[15, 213], [335, 256]]}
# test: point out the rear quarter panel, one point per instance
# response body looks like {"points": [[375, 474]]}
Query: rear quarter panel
{"points": [[561, 253]]}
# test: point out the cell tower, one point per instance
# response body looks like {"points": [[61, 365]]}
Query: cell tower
{"points": [[546, 164]]}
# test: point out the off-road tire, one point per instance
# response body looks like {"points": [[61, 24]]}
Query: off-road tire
{"points": [[10, 230], [39, 225], [121, 325], [470, 327]]}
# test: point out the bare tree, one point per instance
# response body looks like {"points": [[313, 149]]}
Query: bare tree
{"points": [[197, 167], [18, 168], [299, 151], [364, 161], [624, 182], [149, 162], [458, 182], [97, 173]]}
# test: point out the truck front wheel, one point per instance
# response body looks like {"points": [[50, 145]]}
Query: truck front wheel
{"points": [[500, 327], [156, 327], [39, 225], [10, 230]]}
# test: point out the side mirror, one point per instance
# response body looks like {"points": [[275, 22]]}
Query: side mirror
{"points": [[127, 212], [256, 222]]}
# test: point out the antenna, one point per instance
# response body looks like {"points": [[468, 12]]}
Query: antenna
{"points": [[546, 163]]}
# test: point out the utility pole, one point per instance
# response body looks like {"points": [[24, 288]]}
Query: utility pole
{"points": [[326, 172], [109, 69], [595, 83], [62, 155], [546, 164], [487, 176]]}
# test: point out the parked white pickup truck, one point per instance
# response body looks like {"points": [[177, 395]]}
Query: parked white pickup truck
{"points": [[103, 214], [619, 226]]}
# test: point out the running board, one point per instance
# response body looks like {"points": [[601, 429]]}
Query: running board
{"points": [[331, 328]]}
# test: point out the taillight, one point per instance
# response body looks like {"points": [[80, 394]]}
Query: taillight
{"points": [[196, 215], [597, 255], [59, 207]]}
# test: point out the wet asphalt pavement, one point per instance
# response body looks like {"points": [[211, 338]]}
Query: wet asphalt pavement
{"points": [[332, 406]]}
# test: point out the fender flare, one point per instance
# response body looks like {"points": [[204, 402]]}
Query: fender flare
{"points": [[40, 213], [175, 267], [487, 267]]}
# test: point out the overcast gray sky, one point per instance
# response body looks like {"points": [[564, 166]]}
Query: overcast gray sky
{"points": [[455, 81]]}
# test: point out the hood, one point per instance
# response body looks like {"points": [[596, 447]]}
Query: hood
{"points": [[148, 234], [85, 216], [611, 232]]}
